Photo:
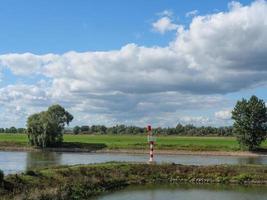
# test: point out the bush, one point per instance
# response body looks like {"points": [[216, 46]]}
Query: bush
{"points": [[1, 177]]}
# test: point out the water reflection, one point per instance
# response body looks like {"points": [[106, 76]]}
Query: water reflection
{"points": [[42, 159], [188, 192], [252, 160], [12, 162]]}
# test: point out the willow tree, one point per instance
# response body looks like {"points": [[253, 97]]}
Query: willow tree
{"points": [[250, 122], [45, 129]]}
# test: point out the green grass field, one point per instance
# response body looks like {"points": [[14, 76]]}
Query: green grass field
{"points": [[139, 142]]}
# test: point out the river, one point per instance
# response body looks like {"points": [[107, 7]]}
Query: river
{"points": [[14, 162], [188, 192]]}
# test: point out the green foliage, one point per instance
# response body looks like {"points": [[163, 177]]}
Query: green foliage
{"points": [[45, 129], [76, 130], [12, 130], [1, 177], [250, 124], [84, 128], [185, 130]]}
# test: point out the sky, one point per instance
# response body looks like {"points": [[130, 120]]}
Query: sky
{"points": [[158, 62]]}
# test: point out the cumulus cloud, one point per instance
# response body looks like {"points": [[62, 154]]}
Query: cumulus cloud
{"points": [[219, 53], [191, 13], [167, 13], [164, 24], [199, 120], [25, 64], [223, 114]]}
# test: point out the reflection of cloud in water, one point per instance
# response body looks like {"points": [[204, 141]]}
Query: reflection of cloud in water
{"points": [[12, 162]]}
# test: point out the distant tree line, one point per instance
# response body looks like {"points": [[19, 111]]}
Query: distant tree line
{"points": [[12, 129], [184, 130]]}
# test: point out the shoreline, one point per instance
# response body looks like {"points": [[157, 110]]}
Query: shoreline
{"points": [[139, 151], [185, 152], [59, 181]]}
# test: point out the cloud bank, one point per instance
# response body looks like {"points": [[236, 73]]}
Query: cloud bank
{"points": [[217, 54]]}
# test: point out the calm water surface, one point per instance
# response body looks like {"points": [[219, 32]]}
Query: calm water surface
{"points": [[196, 192], [13, 162]]}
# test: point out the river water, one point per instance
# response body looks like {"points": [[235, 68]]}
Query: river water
{"points": [[13, 162], [188, 192]]}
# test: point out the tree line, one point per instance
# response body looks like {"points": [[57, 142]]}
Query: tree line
{"points": [[179, 130], [183, 130], [12, 129]]}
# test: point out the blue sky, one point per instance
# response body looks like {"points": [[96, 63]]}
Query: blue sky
{"points": [[133, 62], [58, 26]]}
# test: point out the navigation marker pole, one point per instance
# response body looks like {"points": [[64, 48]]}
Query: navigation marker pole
{"points": [[151, 141]]}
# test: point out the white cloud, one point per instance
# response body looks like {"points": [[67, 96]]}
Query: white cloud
{"points": [[217, 54], [166, 13], [198, 120], [25, 64], [164, 24], [223, 114], [191, 13]]}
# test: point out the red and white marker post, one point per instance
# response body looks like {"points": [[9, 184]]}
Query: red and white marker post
{"points": [[151, 141]]}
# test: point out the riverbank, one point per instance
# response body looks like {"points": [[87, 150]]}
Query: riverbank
{"points": [[84, 181], [102, 148], [186, 152]]}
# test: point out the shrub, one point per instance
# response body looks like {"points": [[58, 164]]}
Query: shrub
{"points": [[1, 177]]}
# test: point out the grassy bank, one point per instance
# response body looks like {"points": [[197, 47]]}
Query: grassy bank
{"points": [[134, 142], [84, 181]]}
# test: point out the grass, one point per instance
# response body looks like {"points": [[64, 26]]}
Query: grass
{"points": [[84, 181], [136, 142]]}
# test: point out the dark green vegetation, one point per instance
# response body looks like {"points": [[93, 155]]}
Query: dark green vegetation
{"points": [[12, 129], [45, 129], [84, 181], [9, 141], [179, 130], [1, 177], [250, 124]]}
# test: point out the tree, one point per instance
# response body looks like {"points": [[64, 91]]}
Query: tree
{"points": [[76, 130], [250, 124], [85, 128], [46, 128], [12, 129], [1, 178]]}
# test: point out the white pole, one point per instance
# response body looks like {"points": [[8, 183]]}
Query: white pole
{"points": [[151, 153], [151, 144]]}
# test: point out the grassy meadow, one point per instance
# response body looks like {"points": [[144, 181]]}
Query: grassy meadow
{"points": [[138, 142]]}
